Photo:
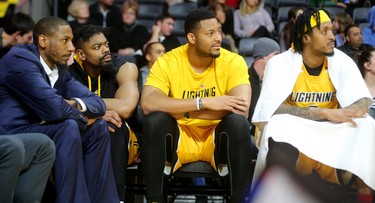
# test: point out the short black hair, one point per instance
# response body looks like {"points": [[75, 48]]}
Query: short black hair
{"points": [[362, 57], [302, 26], [19, 22], [149, 46], [164, 16], [47, 26], [193, 19], [84, 33], [347, 29]]}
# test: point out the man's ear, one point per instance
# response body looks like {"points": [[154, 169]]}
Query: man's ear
{"points": [[148, 57], [306, 38], [16, 35], [43, 41], [367, 65], [80, 54], [191, 38]]}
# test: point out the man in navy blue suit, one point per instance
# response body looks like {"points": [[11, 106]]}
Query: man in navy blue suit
{"points": [[37, 94]]}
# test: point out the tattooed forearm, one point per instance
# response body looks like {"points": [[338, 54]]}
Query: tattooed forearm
{"points": [[361, 104], [308, 113]]}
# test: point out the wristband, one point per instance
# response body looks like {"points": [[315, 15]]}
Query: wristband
{"points": [[198, 103]]}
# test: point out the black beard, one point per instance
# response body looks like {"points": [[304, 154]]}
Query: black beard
{"points": [[62, 66], [107, 68]]}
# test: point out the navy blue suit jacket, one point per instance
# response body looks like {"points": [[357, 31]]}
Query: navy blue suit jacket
{"points": [[27, 98]]}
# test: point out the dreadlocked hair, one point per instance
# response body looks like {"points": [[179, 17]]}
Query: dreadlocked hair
{"points": [[302, 26]]}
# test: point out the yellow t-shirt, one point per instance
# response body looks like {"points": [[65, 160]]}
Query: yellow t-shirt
{"points": [[313, 91], [173, 74]]}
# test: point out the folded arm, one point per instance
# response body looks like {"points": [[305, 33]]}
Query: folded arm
{"points": [[356, 110]]}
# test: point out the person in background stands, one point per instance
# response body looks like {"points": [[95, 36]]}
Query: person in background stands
{"points": [[340, 22], [366, 64], [128, 38], [354, 42], [263, 50], [18, 30], [162, 32], [79, 11], [252, 20], [152, 52], [369, 32], [105, 13]]}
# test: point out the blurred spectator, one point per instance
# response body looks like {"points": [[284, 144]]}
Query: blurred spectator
{"points": [[318, 3], [128, 37], [162, 32], [79, 11], [252, 20], [354, 42], [366, 64], [105, 13], [224, 15], [152, 51], [369, 32], [340, 22], [17, 30], [263, 50], [287, 32]]}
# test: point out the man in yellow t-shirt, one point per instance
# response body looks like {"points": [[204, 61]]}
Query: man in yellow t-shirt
{"points": [[195, 99], [314, 104]]}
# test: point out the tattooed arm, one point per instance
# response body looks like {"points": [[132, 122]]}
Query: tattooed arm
{"points": [[356, 110]]}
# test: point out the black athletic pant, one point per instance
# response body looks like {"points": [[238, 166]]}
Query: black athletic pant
{"points": [[119, 154], [233, 147]]}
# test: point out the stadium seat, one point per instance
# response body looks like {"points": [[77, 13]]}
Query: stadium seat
{"points": [[282, 13], [179, 27], [334, 10], [294, 3], [246, 46], [148, 23], [150, 11], [180, 10], [360, 14]]}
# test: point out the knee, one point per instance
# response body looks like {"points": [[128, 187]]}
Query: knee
{"points": [[156, 118], [12, 151], [155, 121], [68, 131], [239, 127], [46, 144], [100, 125], [237, 120]]}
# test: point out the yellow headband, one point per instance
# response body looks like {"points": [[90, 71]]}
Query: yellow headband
{"points": [[323, 18]]}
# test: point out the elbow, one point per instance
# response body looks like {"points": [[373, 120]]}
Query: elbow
{"points": [[145, 108], [126, 112]]}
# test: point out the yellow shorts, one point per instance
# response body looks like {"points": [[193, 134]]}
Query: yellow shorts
{"points": [[133, 147], [195, 144], [305, 165]]}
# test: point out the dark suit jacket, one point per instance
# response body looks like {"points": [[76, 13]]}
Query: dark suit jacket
{"points": [[113, 16], [27, 98]]}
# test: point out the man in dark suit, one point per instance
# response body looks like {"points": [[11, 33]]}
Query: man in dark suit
{"points": [[38, 95], [105, 13]]}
